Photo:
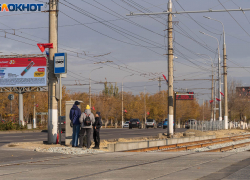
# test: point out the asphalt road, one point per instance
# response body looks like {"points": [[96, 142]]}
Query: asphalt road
{"points": [[104, 134]]}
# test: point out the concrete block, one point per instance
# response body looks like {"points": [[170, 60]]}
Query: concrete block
{"points": [[157, 143], [130, 146], [111, 147]]}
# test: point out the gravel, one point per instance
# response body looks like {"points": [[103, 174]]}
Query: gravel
{"points": [[246, 148], [68, 150], [222, 145]]}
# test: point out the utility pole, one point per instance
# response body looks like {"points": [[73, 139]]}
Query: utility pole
{"points": [[212, 97], [53, 38], [170, 70], [225, 83], [90, 85], [203, 109], [159, 79], [122, 105], [214, 100], [34, 112], [145, 104], [122, 99]]}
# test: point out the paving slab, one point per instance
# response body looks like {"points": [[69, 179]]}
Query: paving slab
{"points": [[157, 165]]}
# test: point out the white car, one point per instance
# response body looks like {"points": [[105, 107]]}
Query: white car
{"points": [[126, 124]]}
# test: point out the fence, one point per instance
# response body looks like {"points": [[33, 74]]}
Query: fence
{"points": [[207, 125]]}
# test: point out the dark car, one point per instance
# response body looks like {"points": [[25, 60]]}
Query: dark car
{"points": [[159, 125], [63, 122], [134, 123]]}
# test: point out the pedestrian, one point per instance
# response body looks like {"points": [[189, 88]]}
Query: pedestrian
{"points": [[96, 127], [86, 120], [74, 115]]}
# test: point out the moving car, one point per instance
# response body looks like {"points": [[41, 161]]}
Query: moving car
{"points": [[151, 123], [134, 123], [165, 123], [159, 125], [126, 124], [190, 122]]}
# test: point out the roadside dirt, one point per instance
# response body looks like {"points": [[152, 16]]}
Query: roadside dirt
{"points": [[104, 143], [220, 133]]}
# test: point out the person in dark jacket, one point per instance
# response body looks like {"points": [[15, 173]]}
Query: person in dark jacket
{"points": [[96, 127], [74, 115]]}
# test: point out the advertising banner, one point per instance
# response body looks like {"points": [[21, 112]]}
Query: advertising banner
{"points": [[23, 72], [185, 96]]}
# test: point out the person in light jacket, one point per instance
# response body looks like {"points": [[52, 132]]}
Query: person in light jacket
{"points": [[86, 128]]}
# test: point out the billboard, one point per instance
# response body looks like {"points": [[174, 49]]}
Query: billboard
{"points": [[23, 71], [243, 91], [185, 96]]}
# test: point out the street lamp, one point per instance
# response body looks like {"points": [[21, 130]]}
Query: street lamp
{"points": [[224, 73], [219, 76], [90, 85], [213, 112], [122, 97]]}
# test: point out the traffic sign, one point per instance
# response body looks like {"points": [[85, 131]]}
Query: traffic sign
{"points": [[11, 97], [60, 63]]}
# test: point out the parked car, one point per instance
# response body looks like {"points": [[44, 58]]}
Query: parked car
{"points": [[126, 124], [134, 123], [159, 125], [151, 123], [190, 122], [165, 123]]}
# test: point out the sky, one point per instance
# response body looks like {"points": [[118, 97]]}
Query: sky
{"points": [[92, 31]]}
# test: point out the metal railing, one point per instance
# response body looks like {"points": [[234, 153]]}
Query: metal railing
{"points": [[206, 125]]}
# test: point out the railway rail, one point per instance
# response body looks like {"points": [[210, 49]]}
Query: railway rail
{"points": [[198, 144]]}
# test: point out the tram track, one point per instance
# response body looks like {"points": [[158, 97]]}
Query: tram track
{"points": [[194, 145]]}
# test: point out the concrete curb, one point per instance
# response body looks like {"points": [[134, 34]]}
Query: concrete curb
{"points": [[125, 146], [14, 132]]}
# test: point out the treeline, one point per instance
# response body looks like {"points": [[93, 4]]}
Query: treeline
{"points": [[109, 104]]}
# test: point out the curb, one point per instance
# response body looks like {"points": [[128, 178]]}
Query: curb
{"points": [[14, 132]]}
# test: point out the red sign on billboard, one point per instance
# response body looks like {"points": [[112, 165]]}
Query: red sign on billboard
{"points": [[185, 96], [26, 71]]}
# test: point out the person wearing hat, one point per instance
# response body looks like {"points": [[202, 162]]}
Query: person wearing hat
{"points": [[86, 120], [96, 127], [74, 115]]}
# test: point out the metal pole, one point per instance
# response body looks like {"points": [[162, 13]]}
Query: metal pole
{"points": [[214, 100], [212, 96], [159, 84], [145, 104], [90, 90], [203, 109], [20, 105], [170, 70], [175, 111], [52, 103], [90, 85], [34, 113], [60, 108], [122, 105], [219, 91], [225, 84]]}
